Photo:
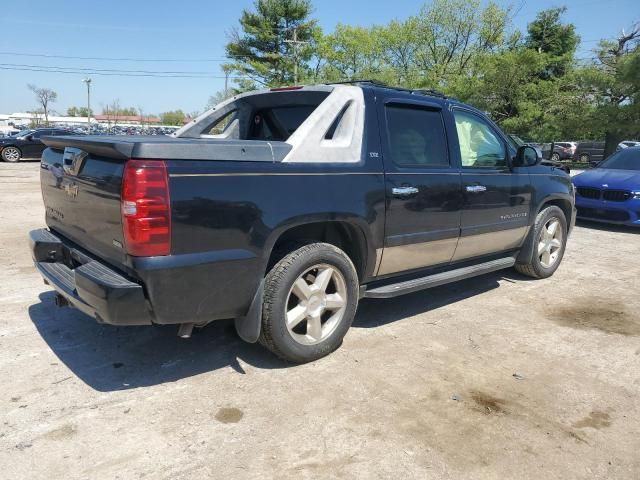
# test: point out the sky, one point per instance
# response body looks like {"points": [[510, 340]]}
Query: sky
{"points": [[172, 36]]}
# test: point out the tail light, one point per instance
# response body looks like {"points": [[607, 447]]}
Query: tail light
{"points": [[146, 209]]}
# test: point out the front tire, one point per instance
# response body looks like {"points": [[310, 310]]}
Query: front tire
{"points": [[11, 154], [555, 157], [550, 241], [584, 158], [310, 299]]}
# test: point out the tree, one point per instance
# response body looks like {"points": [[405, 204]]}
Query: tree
{"points": [[613, 85], [78, 112], [261, 50], [350, 53], [453, 36], [36, 118], [44, 96], [218, 97], [547, 34], [175, 117]]}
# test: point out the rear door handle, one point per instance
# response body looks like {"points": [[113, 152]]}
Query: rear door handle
{"points": [[476, 188], [404, 191]]}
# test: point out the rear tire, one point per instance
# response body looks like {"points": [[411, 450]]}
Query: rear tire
{"points": [[11, 154], [310, 299], [584, 158], [555, 157], [550, 241]]}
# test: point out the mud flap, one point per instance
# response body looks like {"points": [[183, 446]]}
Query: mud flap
{"points": [[248, 327], [525, 255]]}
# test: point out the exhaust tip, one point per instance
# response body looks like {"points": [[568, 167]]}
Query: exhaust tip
{"points": [[60, 301], [185, 329]]}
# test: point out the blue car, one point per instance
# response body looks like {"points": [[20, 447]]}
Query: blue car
{"points": [[611, 191]]}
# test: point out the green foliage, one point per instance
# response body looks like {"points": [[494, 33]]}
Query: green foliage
{"points": [[547, 34], [612, 84], [78, 112], [261, 50], [530, 84], [116, 110], [217, 98], [175, 117]]}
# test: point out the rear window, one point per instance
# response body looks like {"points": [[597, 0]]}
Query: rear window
{"points": [[279, 123]]}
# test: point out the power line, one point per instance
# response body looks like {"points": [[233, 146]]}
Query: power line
{"points": [[81, 72], [88, 69], [128, 59]]}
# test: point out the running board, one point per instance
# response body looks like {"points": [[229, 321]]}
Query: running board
{"points": [[430, 281]]}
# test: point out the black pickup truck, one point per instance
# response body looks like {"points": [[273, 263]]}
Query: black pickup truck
{"points": [[282, 208]]}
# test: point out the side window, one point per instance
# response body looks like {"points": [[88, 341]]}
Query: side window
{"points": [[479, 145], [221, 124], [416, 136]]}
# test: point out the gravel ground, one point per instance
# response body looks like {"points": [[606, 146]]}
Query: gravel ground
{"points": [[495, 377]]}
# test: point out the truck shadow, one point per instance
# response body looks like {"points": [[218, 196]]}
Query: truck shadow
{"points": [[109, 358], [374, 313]]}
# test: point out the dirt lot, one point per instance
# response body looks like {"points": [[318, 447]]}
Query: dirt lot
{"points": [[495, 377]]}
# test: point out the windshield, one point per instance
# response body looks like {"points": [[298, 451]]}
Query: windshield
{"points": [[516, 141], [23, 133], [627, 159]]}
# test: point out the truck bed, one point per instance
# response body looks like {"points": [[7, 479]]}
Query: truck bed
{"points": [[172, 148]]}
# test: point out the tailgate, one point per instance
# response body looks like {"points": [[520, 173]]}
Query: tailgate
{"points": [[81, 193]]}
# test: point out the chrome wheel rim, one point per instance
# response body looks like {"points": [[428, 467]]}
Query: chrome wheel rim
{"points": [[555, 157], [316, 304], [11, 154], [550, 243]]}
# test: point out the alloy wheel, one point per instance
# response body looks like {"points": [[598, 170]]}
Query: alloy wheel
{"points": [[550, 242], [316, 304], [11, 154]]}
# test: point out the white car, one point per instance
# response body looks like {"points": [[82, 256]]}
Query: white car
{"points": [[627, 144]]}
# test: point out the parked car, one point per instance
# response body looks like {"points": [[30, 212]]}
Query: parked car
{"points": [[308, 199], [27, 143], [589, 152], [611, 191], [518, 142], [627, 144], [561, 151]]}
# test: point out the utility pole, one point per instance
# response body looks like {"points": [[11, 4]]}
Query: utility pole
{"points": [[296, 49], [88, 82]]}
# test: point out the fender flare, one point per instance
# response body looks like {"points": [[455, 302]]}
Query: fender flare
{"points": [[525, 255]]}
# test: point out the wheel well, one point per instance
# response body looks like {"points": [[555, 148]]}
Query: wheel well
{"points": [[14, 146], [343, 235], [564, 205]]}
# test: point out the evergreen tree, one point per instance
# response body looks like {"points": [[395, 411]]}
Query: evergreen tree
{"points": [[262, 50]]}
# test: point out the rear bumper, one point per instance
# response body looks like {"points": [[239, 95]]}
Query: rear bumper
{"points": [[87, 284]]}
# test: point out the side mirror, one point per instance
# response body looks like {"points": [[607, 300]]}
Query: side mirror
{"points": [[527, 156], [28, 138]]}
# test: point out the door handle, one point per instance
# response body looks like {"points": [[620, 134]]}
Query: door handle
{"points": [[476, 188], [404, 191]]}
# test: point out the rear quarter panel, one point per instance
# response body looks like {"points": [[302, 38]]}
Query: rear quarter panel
{"points": [[234, 214]]}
